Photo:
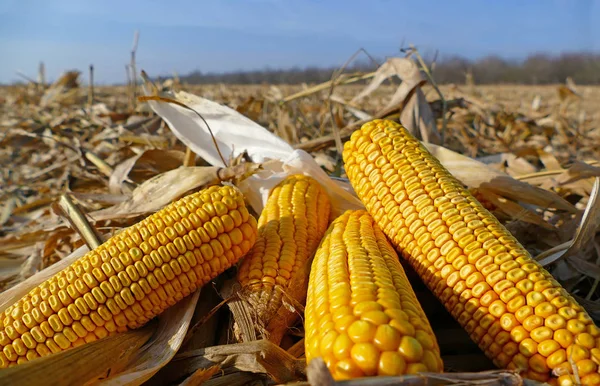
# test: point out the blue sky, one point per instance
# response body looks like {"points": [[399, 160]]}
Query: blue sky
{"points": [[229, 35]]}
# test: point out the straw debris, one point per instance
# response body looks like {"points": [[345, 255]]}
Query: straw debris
{"points": [[530, 154]]}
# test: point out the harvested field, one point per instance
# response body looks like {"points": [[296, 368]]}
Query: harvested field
{"points": [[80, 166]]}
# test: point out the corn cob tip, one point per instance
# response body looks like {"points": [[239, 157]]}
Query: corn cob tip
{"points": [[362, 316], [132, 277], [517, 313], [290, 228]]}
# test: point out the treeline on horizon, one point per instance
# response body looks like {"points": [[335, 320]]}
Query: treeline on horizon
{"points": [[582, 67]]}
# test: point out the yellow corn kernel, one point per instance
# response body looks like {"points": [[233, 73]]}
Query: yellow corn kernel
{"points": [[356, 274]]}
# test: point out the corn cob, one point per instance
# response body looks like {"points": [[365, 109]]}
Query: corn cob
{"points": [[132, 277], [362, 316], [276, 269], [514, 309]]}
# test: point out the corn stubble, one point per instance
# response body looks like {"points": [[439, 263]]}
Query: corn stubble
{"points": [[132, 277], [514, 309], [276, 269], [362, 316]]}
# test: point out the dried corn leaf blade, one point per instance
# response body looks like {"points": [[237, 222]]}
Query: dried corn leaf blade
{"points": [[10, 268], [416, 114], [348, 105], [285, 128], [476, 174], [27, 268], [15, 293], [589, 225], [577, 171], [105, 356], [509, 163], [171, 330], [167, 187], [514, 210], [159, 161]]}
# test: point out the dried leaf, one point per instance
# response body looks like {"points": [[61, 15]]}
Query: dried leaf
{"points": [[171, 330], [200, 376], [167, 187], [590, 223], [31, 265], [62, 89], [514, 210], [7, 210], [416, 114], [104, 356], [475, 174], [9, 268], [193, 132], [549, 160], [577, 171], [159, 160], [508, 163], [348, 105], [405, 69], [285, 127], [260, 356]]}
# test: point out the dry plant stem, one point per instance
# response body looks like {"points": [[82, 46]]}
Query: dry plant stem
{"points": [[128, 75], [42, 75], [325, 85], [105, 168], [318, 375], [102, 358], [549, 173], [91, 88], [437, 89], [169, 100], [242, 312], [190, 157], [26, 78], [102, 166], [78, 221], [260, 356], [297, 350], [136, 38], [327, 140], [154, 142], [332, 84]]}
